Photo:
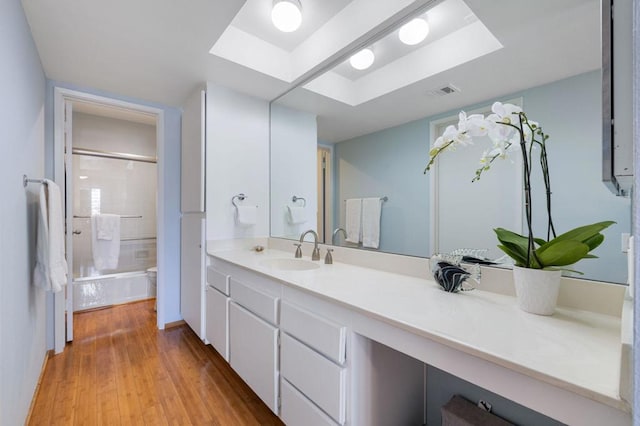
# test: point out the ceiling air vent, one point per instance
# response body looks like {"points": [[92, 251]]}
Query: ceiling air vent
{"points": [[442, 91]]}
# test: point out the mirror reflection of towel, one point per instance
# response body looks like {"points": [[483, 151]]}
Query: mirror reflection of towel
{"points": [[371, 211], [296, 215], [353, 220]]}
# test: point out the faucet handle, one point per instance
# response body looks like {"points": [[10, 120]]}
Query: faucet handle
{"points": [[328, 259], [298, 250]]}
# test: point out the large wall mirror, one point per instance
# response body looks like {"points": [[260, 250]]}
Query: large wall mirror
{"points": [[350, 133]]}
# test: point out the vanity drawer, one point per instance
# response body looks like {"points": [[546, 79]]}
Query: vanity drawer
{"points": [[319, 333], [296, 409], [218, 280], [322, 381], [262, 304]]}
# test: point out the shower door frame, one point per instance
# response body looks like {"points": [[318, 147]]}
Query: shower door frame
{"points": [[63, 101]]}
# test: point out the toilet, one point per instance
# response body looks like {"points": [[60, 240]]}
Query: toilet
{"points": [[152, 280]]}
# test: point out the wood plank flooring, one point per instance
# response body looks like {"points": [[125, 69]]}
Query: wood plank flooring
{"points": [[121, 370]]}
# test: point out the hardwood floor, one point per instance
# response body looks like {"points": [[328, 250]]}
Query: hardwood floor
{"points": [[121, 370]]}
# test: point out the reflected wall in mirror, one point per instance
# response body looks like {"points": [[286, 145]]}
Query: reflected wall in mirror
{"points": [[378, 124]]}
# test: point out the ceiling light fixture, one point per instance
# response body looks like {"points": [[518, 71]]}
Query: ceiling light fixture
{"points": [[414, 31], [286, 15], [363, 59]]}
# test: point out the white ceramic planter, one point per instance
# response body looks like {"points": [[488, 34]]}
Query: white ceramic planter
{"points": [[537, 289]]}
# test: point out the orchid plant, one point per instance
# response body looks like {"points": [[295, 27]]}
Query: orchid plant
{"points": [[509, 129]]}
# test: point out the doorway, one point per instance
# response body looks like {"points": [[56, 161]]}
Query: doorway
{"points": [[325, 194], [111, 171]]}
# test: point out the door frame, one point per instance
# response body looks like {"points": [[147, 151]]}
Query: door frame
{"points": [[63, 301]]}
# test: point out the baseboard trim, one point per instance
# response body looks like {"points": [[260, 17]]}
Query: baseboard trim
{"points": [[36, 392], [174, 324]]}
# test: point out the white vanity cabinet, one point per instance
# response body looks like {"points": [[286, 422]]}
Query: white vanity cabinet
{"points": [[217, 311], [253, 335], [312, 366]]}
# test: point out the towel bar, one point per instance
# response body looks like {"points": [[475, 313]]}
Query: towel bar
{"points": [[26, 180], [384, 199], [124, 216]]}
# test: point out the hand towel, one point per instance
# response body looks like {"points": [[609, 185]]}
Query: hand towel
{"points": [[371, 211], [105, 252], [246, 215], [51, 266], [296, 215], [107, 225], [353, 220]]}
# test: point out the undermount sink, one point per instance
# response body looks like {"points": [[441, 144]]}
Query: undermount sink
{"points": [[286, 264]]}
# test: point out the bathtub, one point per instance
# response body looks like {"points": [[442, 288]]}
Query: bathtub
{"points": [[113, 289]]}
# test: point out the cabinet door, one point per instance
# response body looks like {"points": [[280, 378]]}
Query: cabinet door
{"points": [[193, 154], [192, 271], [253, 353], [217, 321]]}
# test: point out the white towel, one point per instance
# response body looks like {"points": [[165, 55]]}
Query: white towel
{"points": [[353, 220], [296, 215], [246, 215], [107, 226], [105, 252], [371, 210], [51, 266]]}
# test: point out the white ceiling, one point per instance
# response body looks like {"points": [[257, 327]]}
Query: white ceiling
{"points": [[543, 41], [315, 13], [155, 50], [158, 50]]}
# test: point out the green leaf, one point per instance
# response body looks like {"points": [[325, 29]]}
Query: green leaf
{"points": [[518, 246], [516, 256], [580, 234], [561, 253], [594, 241], [540, 241]]}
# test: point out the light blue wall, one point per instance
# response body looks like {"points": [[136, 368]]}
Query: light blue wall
{"points": [[22, 306], [171, 206], [390, 162]]}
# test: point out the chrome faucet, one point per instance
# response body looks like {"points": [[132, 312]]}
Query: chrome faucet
{"points": [[316, 250], [335, 233]]}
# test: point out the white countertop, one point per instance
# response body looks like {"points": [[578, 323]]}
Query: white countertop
{"points": [[576, 350]]}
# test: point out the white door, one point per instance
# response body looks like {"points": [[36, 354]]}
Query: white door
{"points": [[457, 219]]}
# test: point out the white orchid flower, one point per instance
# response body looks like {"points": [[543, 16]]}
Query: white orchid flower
{"points": [[455, 135], [474, 124], [505, 113]]}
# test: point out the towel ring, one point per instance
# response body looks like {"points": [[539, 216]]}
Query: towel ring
{"points": [[240, 197], [295, 199]]}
